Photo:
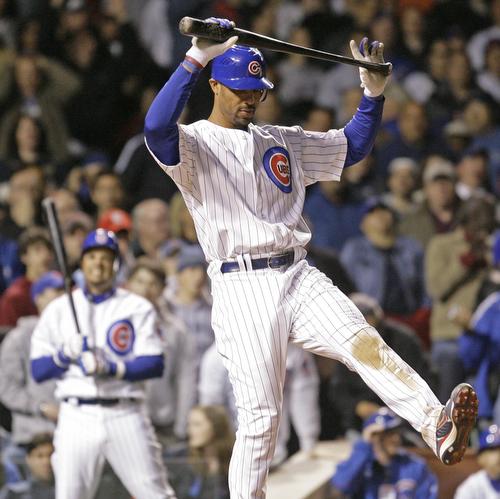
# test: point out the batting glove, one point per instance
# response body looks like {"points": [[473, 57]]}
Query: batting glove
{"points": [[203, 51], [98, 364], [372, 82], [70, 351]]}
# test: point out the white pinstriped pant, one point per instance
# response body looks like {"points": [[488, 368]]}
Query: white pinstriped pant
{"points": [[255, 314], [88, 435]]}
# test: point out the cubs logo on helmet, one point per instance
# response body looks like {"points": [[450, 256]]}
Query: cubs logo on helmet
{"points": [[120, 337], [277, 165]]}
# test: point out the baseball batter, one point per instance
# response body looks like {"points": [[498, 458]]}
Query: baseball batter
{"points": [[102, 415], [244, 186]]}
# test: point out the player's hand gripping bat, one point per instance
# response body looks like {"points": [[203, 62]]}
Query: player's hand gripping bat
{"points": [[62, 262], [202, 29]]}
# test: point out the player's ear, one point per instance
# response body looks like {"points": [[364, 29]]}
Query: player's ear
{"points": [[215, 86]]}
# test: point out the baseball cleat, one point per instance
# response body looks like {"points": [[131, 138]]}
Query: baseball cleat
{"points": [[455, 423]]}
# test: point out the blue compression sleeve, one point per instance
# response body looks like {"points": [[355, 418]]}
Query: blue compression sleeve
{"points": [[45, 368], [362, 129], [160, 129], [145, 367]]}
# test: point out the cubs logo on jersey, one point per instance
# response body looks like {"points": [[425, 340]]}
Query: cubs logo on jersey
{"points": [[277, 165], [120, 337]]}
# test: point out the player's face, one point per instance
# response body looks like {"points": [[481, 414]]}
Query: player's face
{"points": [[97, 268], [234, 108], [199, 429], [39, 462], [390, 442], [145, 284]]}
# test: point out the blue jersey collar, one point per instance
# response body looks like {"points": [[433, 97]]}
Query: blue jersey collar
{"points": [[99, 298]]}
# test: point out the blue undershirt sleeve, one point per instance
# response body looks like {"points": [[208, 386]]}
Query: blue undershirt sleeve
{"points": [[362, 129], [160, 127], [145, 367], [45, 368]]}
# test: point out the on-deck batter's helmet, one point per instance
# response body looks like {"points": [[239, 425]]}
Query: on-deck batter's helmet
{"points": [[100, 238], [489, 438], [241, 68]]}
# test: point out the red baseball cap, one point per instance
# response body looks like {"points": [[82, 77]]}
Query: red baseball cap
{"points": [[115, 220]]}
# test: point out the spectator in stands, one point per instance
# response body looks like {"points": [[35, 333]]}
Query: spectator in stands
{"points": [[479, 347], [26, 189], [472, 175], [491, 283], [190, 302], [437, 212], [66, 204], [33, 405], [35, 250], [450, 98], [401, 183], [333, 213], [150, 220], [106, 192], [351, 399], [484, 484], [455, 266], [39, 87], [169, 256], [139, 172], [39, 483], [489, 79], [82, 177], [171, 397], [119, 222], [480, 117], [412, 138], [379, 467], [384, 265], [457, 138], [300, 406], [480, 40], [210, 443], [74, 229], [26, 146]]}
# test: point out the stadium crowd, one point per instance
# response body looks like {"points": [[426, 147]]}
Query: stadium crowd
{"points": [[411, 232]]}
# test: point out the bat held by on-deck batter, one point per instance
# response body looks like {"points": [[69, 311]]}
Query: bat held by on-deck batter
{"points": [[57, 241], [196, 27]]}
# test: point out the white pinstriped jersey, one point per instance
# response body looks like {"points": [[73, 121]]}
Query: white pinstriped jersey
{"points": [[246, 189], [124, 326]]}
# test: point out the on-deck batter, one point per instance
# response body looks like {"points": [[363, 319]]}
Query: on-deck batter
{"points": [[102, 415], [244, 186]]}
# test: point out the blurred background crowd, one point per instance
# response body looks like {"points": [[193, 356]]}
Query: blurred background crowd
{"points": [[410, 232]]}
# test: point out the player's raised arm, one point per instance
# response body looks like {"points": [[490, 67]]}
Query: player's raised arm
{"points": [[160, 130], [362, 129]]}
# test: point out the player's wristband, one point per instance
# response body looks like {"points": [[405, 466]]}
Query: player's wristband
{"points": [[197, 57], [117, 369], [61, 360]]}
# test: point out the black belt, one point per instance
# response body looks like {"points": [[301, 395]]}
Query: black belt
{"points": [[270, 262], [97, 401]]}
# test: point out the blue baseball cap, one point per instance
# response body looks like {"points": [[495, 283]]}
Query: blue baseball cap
{"points": [[52, 279], [191, 256], [373, 203], [489, 438], [382, 420]]}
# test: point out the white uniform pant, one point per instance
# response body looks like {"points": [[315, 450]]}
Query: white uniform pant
{"points": [[255, 314], [88, 435]]}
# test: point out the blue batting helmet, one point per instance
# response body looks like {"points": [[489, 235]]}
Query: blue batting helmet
{"points": [[241, 68], [100, 238], [382, 420], [489, 438]]}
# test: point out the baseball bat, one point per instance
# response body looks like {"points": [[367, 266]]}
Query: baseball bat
{"points": [[190, 26], [56, 235]]}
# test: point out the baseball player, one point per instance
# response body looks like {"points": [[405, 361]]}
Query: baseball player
{"points": [[100, 380], [245, 186]]}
